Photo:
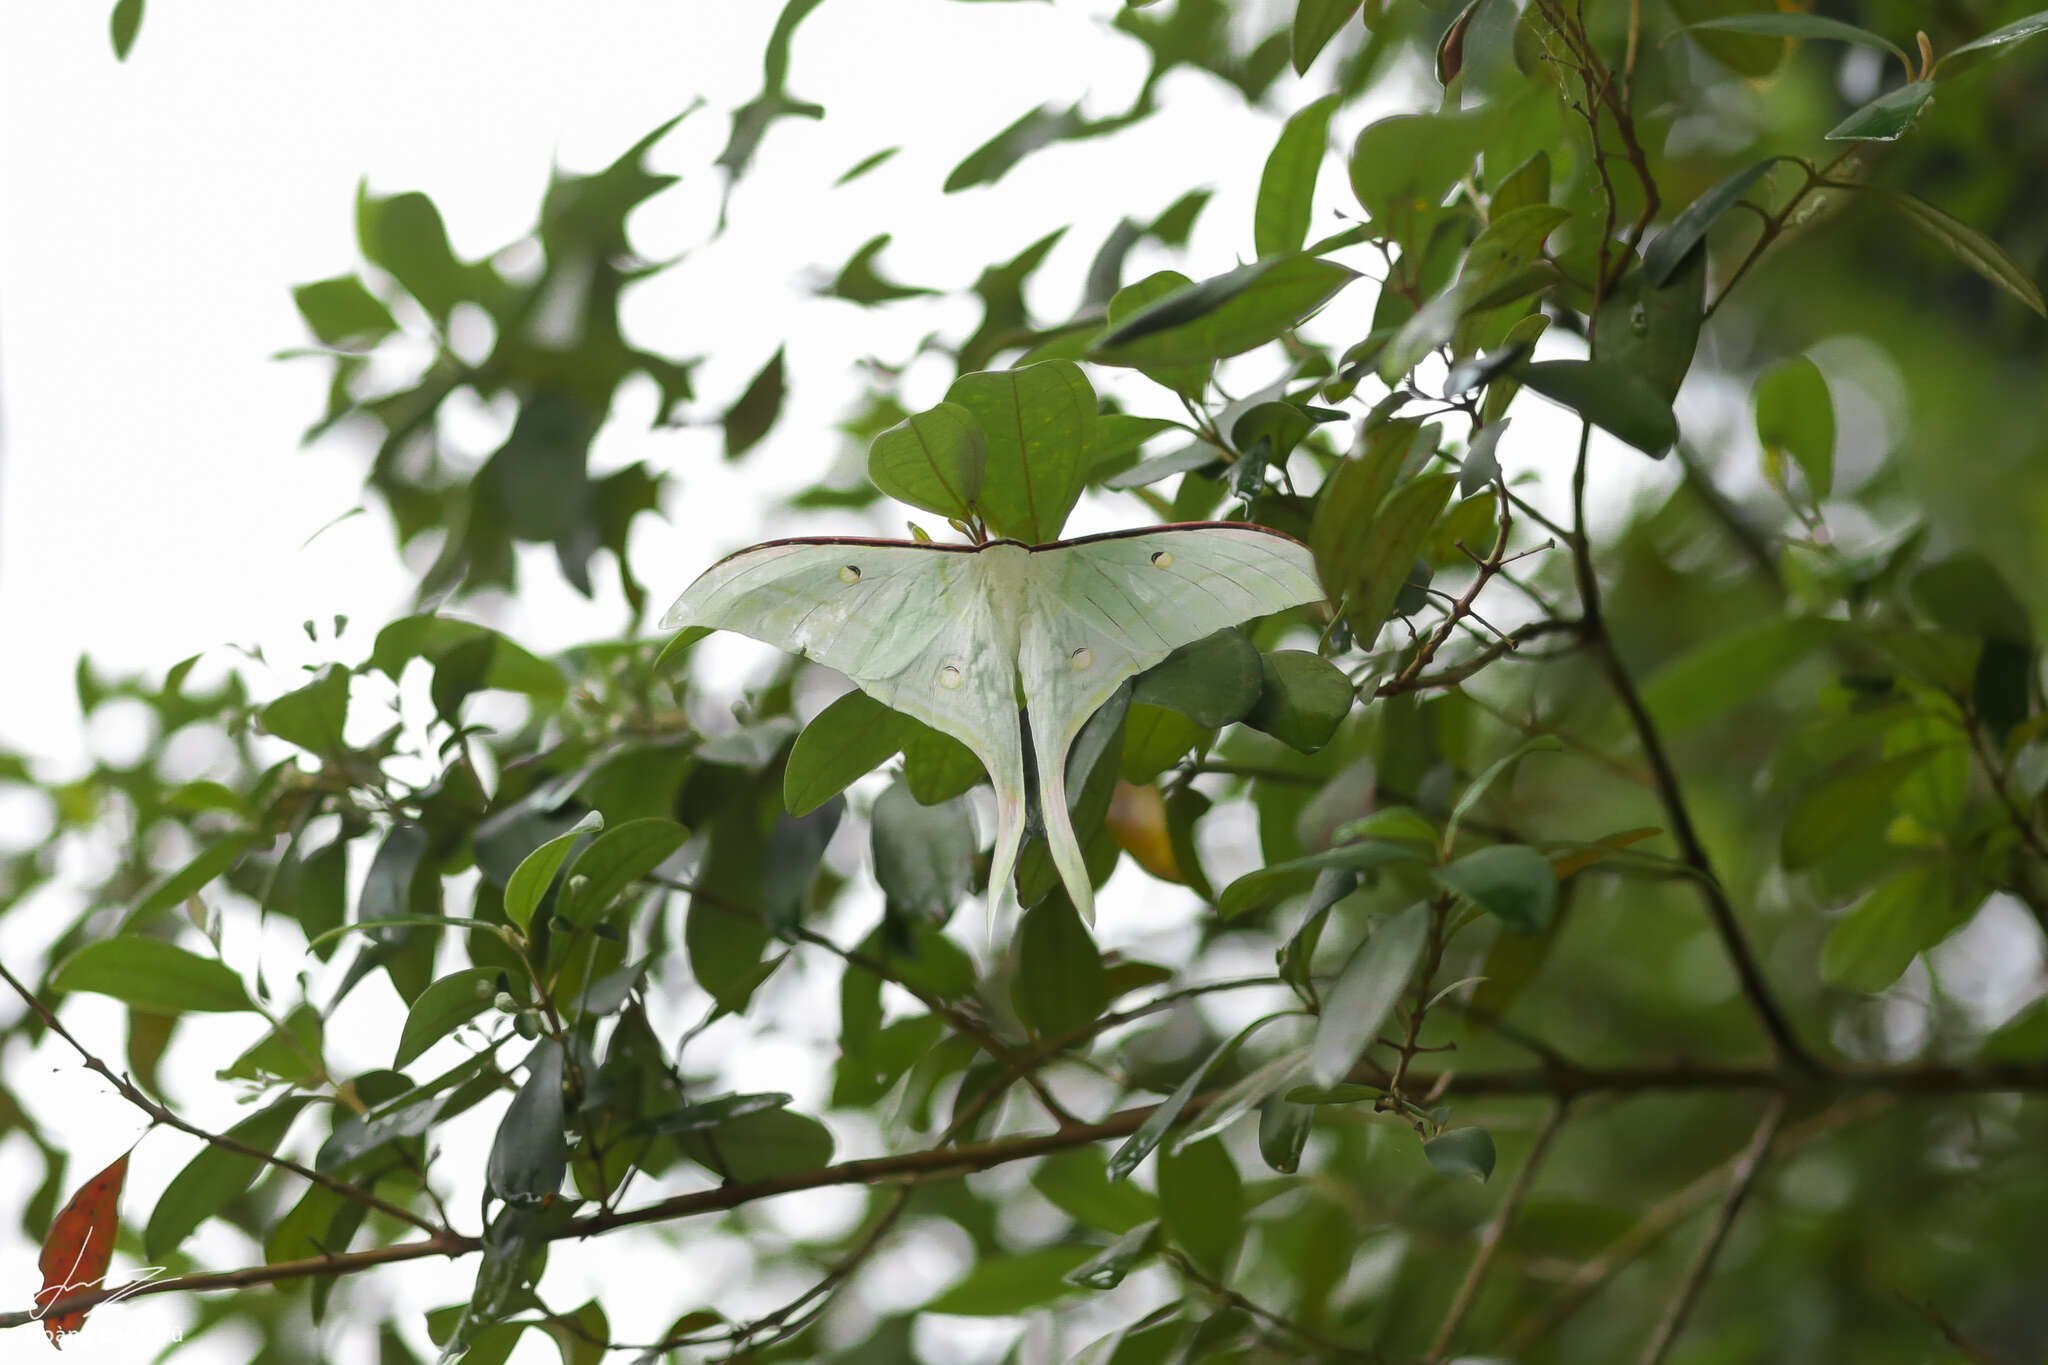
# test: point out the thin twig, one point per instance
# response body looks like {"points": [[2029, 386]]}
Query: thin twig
{"points": [[1741, 1180], [1658, 1223], [1489, 1241], [1225, 1294], [1453, 674], [159, 1114], [1948, 1331]]}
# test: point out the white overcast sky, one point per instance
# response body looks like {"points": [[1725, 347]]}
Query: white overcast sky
{"points": [[154, 498]]}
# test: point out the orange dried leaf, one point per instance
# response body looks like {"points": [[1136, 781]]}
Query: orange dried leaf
{"points": [[80, 1246]]}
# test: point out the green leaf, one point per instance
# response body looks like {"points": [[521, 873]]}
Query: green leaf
{"points": [[1652, 333], [342, 313], [864, 165], [376, 927], [844, 742], [1194, 455], [1402, 167], [1511, 882], [312, 717], [125, 23], [1282, 426], [761, 1145], [755, 410], [1188, 380], [1287, 186], [860, 282], [1315, 23], [1348, 1093], [512, 668], [405, 236], [1689, 228], [724, 948], [933, 460], [152, 976], [530, 1155], [1201, 1204], [718, 1111], [1365, 991], [214, 1177], [1404, 824], [1160, 1121], [1966, 593], [1513, 241], [1886, 118], [1039, 424], [1528, 183], [1610, 398], [404, 1115], [1036, 128], [1398, 533], [1256, 890], [536, 872], [444, 1006], [1154, 740], [1483, 783], [1461, 1152], [1796, 26], [924, 855], [1903, 916], [1224, 316], [2019, 30], [1212, 681], [289, 1052], [1077, 1182], [1795, 416], [194, 876], [512, 1244], [1059, 985], [1303, 698], [1841, 809], [1283, 1132], [459, 672], [1347, 507], [1968, 245], [616, 860], [1107, 1270], [937, 766], [1004, 1286], [1716, 676]]}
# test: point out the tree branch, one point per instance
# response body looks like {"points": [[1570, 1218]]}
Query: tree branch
{"points": [[1879, 1084], [1669, 789]]}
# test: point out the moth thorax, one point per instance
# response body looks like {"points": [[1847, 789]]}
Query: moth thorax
{"points": [[849, 573], [1162, 558], [1081, 658], [950, 676]]}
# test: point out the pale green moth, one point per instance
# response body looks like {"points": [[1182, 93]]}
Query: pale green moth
{"points": [[953, 634]]}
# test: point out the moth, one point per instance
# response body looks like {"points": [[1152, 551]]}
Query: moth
{"points": [[957, 635]]}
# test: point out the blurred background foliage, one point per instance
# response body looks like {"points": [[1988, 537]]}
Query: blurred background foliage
{"points": [[1826, 597]]}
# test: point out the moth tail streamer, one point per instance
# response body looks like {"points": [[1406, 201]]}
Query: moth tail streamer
{"points": [[1059, 834], [1003, 860]]}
